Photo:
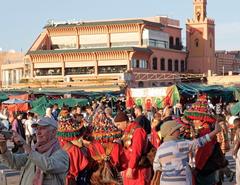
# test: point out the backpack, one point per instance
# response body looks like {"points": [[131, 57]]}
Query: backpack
{"points": [[105, 173]]}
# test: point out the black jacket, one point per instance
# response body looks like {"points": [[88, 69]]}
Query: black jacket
{"points": [[144, 122]]}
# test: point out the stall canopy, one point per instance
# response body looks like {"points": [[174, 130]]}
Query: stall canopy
{"points": [[235, 110], [24, 96], [71, 102], [39, 105], [236, 92], [148, 97], [41, 100], [14, 101], [39, 109], [15, 105], [3, 97], [190, 90]]}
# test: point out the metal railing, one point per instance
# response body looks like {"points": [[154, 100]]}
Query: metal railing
{"points": [[138, 76]]}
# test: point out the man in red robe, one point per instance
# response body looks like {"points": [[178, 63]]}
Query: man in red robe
{"points": [[106, 150], [135, 141], [68, 136]]}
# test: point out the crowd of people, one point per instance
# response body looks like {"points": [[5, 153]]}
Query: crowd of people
{"points": [[88, 145]]}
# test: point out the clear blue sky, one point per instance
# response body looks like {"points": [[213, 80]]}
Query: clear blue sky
{"points": [[23, 20]]}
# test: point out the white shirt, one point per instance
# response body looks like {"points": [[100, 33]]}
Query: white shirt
{"points": [[28, 127], [231, 120]]}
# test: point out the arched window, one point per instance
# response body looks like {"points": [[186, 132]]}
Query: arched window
{"points": [[137, 64], [171, 42], [176, 65], [198, 16], [133, 63], [140, 84], [177, 42], [197, 43], [182, 65], [143, 64], [154, 63], [170, 65], [162, 64]]}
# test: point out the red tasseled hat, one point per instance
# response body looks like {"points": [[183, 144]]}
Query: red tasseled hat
{"points": [[104, 130], [69, 129], [199, 111]]}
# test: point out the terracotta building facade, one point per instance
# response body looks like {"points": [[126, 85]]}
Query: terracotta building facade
{"points": [[132, 51], [236, 63], [142, 52], [12, 67], [227, 62]]}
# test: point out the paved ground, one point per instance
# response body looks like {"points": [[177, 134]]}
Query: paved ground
{"points": [[232, 166]]}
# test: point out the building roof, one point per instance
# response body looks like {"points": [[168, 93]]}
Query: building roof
{"points": [[236, 54], [89, 50], [98, 23]]}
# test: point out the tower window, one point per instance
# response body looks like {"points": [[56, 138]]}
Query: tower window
{"points": [[210, 43], [198, 16], [197, 43]]}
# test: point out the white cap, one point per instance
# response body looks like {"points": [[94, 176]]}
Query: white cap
{"points": [[45, 121]]}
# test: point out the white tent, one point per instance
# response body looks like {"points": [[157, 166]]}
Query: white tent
{"points": [[14, 101]]}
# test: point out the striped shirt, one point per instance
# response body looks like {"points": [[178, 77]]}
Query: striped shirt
{"points": [[172, 157]]}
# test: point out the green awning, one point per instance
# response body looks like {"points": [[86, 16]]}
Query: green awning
{"points": [[41, 100], [71, 102], [235, 109], [39, 106], [190, 90], [236, 92], [3, 97], [40, 109]]}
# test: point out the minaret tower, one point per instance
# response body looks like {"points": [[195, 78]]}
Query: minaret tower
{"points": [[200, 40], [200, 11]]}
